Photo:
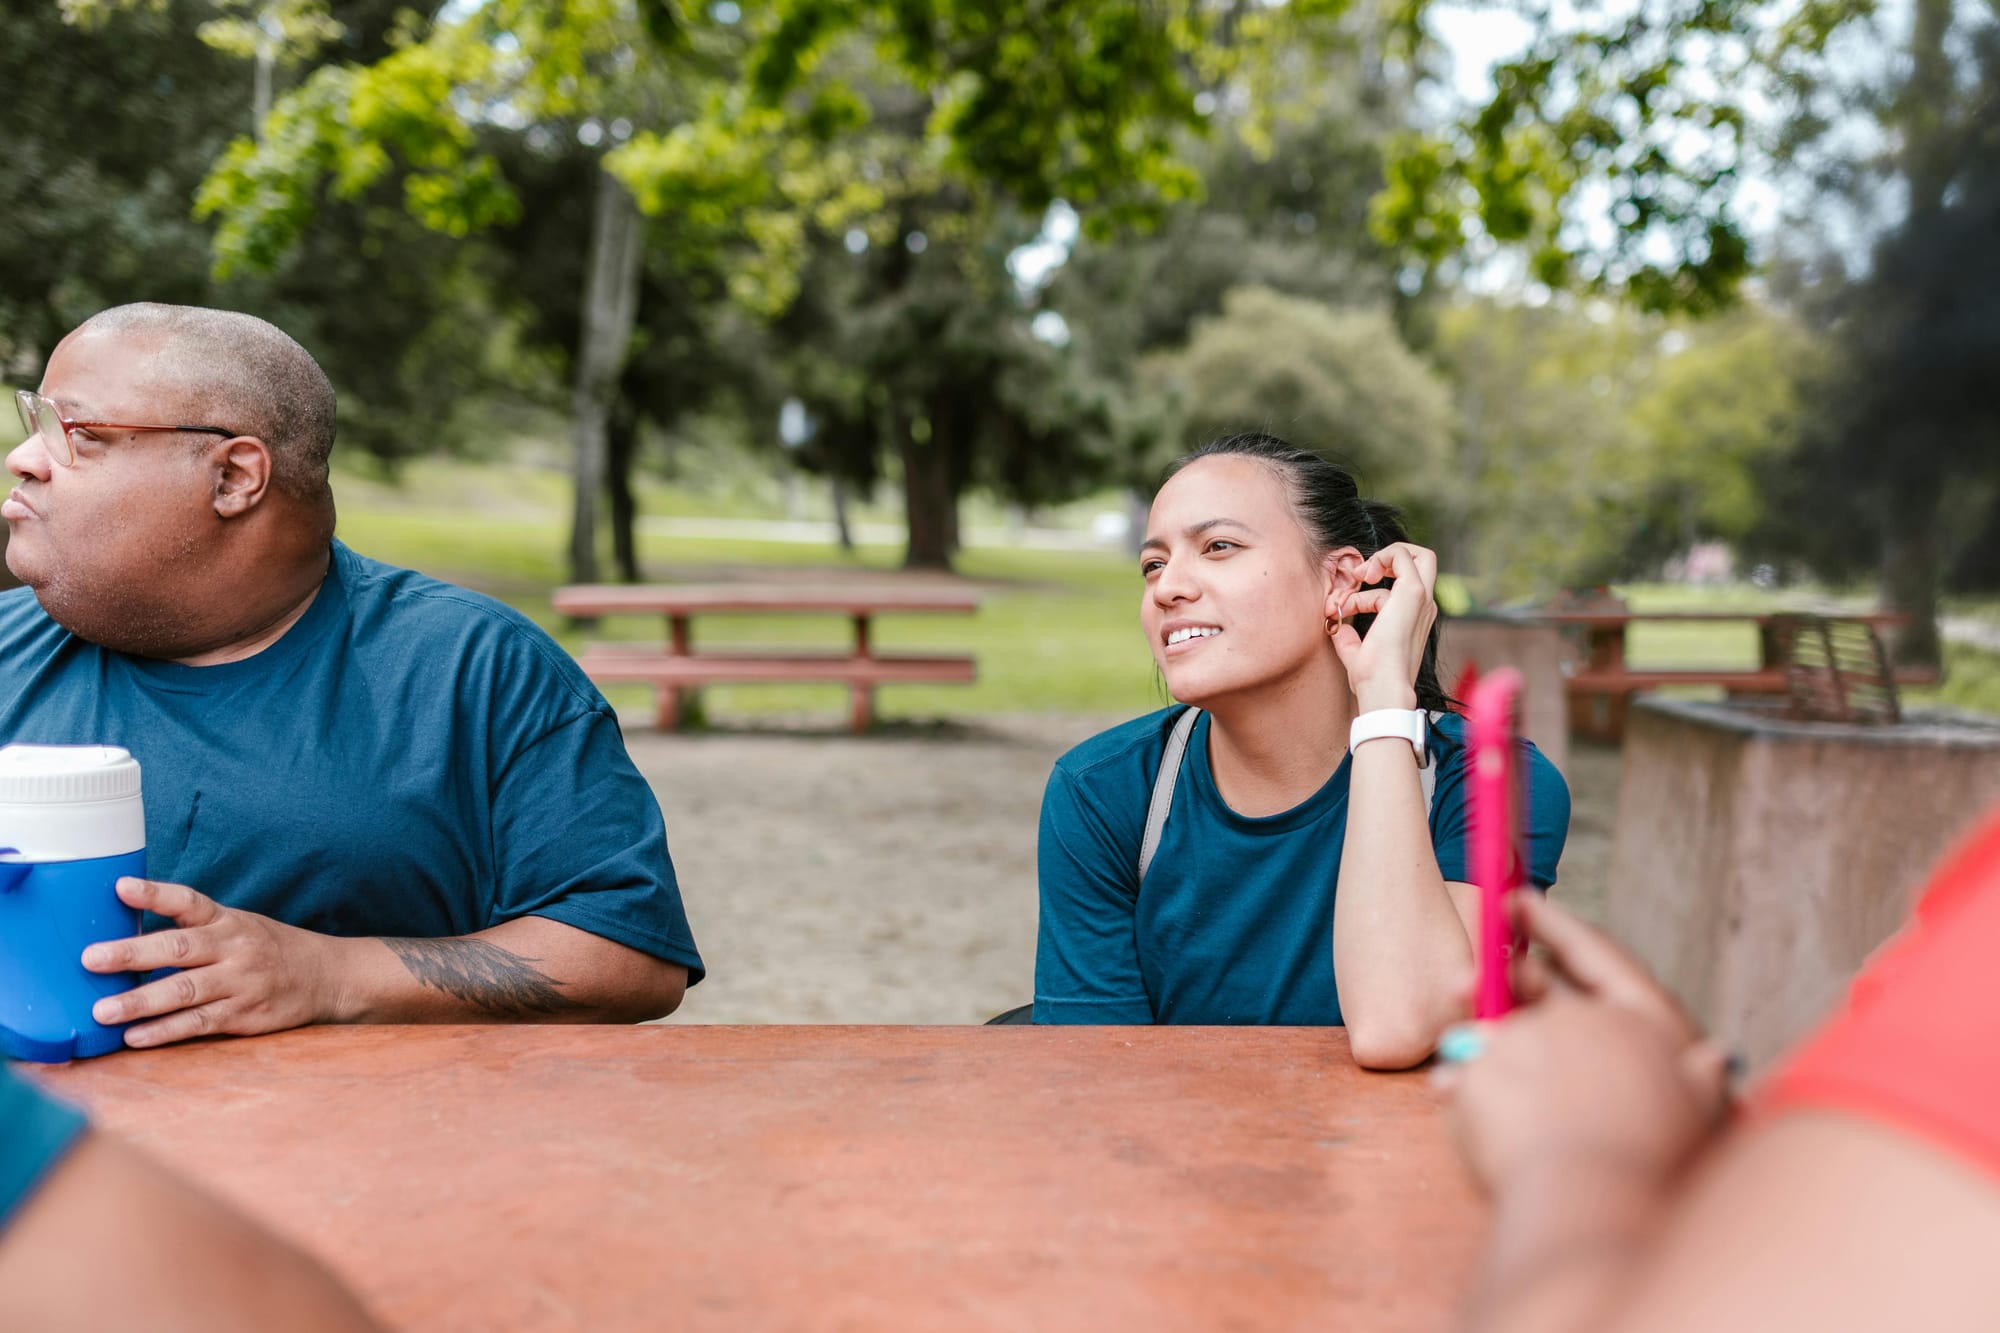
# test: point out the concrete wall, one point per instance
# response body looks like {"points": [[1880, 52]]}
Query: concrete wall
{"points": [[1536, 651], [1756, 863]]}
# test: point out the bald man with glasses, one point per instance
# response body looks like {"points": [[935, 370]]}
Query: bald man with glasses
{"points": [[370, 796]]}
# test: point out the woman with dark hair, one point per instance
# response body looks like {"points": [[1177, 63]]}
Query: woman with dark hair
{"points": [[1300, 814]]}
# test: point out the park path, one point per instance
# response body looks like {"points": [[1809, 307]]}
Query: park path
{"points": [[1981, 634]]}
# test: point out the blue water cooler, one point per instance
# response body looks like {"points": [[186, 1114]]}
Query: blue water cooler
{"points": [[71, 823]]}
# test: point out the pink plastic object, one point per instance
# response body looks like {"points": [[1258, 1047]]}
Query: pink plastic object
{"points": [[1496, 815]]}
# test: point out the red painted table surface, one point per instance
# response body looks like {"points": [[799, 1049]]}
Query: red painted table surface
{"points": [[670, 1177]]}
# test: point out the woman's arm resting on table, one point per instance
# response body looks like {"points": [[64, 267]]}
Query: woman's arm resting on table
{"points": [[111, 1241], [1402, 942], [242, 973], [1401, 946]]}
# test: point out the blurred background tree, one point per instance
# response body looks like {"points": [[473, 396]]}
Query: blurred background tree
{"points": [[1031, 250]]}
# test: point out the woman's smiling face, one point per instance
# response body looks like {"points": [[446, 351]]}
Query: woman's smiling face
{"points": [[1236, 598]]}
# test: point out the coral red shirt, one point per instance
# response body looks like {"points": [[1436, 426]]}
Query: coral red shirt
{"points": [[1917, 1043]]}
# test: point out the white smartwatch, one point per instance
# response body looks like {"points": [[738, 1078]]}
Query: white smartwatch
{"points": [[1404, 724]]}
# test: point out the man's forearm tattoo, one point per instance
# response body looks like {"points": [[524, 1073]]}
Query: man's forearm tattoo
{"points": [[483, 974]]}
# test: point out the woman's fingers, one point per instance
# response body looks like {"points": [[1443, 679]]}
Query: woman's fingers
{"points": [[1368, 600], [1401, 561]]}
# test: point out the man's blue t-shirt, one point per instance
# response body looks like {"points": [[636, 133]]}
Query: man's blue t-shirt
{"points": [[409, 759], [34, 1134], [1236, 921]]}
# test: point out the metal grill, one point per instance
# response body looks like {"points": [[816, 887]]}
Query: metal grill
{"points": [[1835, 670]]}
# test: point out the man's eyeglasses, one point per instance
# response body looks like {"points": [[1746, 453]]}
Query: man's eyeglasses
{"points": [[42, 417]]}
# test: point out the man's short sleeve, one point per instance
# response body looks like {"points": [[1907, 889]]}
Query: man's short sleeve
{"points": [[578, 838], [1917, 1043], [35, 1132]]}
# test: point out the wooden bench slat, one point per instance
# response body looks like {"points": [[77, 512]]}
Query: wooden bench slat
{"points": [[713, 668], [687, 599], [1741, 682], [1630, 682]]}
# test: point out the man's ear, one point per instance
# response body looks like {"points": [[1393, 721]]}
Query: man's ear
{"points": [[1342, 571], [242, 469]]}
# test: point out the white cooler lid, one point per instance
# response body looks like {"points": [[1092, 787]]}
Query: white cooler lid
{"points": [[70, 802], [33, 774]]}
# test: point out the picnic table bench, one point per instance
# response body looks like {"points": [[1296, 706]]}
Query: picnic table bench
{"points": [[1600, 686], [675, 666]]}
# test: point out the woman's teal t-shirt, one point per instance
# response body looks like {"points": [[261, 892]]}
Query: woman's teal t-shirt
{"points": [[1236, 921]]}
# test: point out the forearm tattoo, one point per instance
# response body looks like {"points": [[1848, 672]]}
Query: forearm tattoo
{"points": [[483, 975]]}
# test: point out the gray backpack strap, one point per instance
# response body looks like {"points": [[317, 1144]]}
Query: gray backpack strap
{"points": [[1163, 788]]}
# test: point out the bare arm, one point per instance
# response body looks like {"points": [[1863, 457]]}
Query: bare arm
{"points": [[1402, 942], [112, 1241], [244, 973], [530, 970], [1853, 1225], [1816, 1220]]}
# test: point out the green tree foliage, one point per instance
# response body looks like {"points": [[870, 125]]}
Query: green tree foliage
{"points": [[1597, 441], [141, 99], [1605, 153], [106, 132], [1288, 181], [1897, 466], [1337, 380]]}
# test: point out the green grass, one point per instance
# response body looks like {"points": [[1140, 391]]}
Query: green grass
{"points": [[1971, 681], [1057, 631], [1971, 675]]}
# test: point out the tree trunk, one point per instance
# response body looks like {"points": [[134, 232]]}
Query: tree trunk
{"points": [[622, 438], [952, 427], [1912, 493], [1911, 568], [841, 528], [927, 498], [610, 306]]}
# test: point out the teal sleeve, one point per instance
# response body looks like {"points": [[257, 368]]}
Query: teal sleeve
{"points": [[1086, 950], [579, 839], [1548, 816], [35, 1132]]}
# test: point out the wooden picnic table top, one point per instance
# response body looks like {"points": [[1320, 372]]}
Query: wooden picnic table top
{"points": [[687, 598], [747, 1178]]}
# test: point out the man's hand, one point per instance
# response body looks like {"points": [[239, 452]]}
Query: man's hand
{"points": [[240, 973]]}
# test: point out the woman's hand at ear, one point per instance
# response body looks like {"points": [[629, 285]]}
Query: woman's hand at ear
{"points": [[1382, 668]]}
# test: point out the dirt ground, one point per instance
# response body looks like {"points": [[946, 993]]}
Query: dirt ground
{"points": [[891, 878]]}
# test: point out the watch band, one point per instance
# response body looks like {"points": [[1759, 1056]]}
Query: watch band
{"points": [[1408, 724]]}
